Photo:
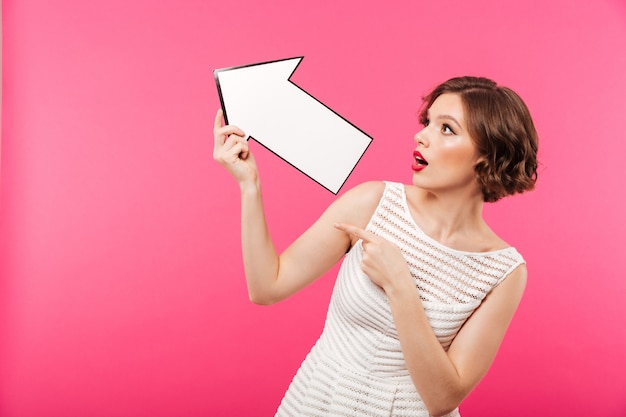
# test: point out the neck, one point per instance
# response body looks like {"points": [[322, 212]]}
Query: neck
{"points": [[445, 216]]}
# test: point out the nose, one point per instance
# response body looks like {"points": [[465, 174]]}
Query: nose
{"points": [[421, 137]]}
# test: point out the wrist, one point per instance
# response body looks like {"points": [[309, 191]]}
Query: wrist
{"points": [[250, 187], [401, 288]]}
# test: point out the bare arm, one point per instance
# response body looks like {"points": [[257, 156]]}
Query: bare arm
{"points": [[443, 379], [272, 277]]}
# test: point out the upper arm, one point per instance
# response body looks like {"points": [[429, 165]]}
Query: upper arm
{"points": [[321, 246], [475, 346]]}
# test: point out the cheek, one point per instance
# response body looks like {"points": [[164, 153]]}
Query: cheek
{"points": [[461, 155]]}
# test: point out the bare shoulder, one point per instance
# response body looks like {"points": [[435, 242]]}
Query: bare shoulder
{"points": [[368, 192], [491, 241], [357, 205]]}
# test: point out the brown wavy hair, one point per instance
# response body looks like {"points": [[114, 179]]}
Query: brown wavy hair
{"points": [[501, 126]]}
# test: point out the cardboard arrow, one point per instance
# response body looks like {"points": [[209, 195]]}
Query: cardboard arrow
{"points": [[272, 110]]}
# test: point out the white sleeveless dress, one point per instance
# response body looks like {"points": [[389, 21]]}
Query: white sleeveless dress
{"points": [[356, 368]]}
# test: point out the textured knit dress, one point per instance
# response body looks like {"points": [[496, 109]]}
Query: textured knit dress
{"points": [[356, 368]]}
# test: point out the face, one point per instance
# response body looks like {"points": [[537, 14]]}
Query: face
{"points": [[445, 154]]}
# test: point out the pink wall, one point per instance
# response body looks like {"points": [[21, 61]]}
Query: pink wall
{"points": [[121, 290]]}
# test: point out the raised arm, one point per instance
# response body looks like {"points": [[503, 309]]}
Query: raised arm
{"points": [[272, 277]]}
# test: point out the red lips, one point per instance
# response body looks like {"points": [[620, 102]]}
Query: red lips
{"points": [[420, 162]]}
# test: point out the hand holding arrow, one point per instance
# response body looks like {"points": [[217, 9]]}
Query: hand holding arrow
{"points": [[260, 99], [232, 151]]}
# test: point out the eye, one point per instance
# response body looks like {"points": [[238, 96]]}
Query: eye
{"points": [[446, 129], [425, 121]]}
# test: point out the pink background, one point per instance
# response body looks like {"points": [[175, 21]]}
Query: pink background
{"points": [[121, 290]]}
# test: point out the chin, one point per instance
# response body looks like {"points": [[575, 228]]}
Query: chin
{"points": [[416, 179]]}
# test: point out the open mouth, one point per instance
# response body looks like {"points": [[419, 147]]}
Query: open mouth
{"points": [[419, 159]]}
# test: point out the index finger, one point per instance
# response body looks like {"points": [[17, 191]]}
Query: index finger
{"points": [[355, 231]]}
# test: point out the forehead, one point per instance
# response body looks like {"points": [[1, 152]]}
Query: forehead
{"points": [[448, 104]]}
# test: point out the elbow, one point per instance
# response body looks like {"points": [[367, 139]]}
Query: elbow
{"points": [[261, 299], [441, 411], [443, 407]]}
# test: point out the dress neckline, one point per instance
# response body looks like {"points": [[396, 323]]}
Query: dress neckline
{"points": [[435, 242]]}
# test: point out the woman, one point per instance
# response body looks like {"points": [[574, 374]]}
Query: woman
{"points": [[426, 290]]}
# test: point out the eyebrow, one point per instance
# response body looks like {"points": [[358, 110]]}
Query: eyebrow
{"points": [[448, 117]]}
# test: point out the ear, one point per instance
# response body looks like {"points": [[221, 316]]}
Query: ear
{"points": [[481, 161], [481, 167]]}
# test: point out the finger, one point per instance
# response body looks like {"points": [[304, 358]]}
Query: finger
{"points": [[233, 151], [219, 120], [222, 130], [243, 150], [223, 134], [232, 139], [228, 130], [355, 231], [239, 151]]}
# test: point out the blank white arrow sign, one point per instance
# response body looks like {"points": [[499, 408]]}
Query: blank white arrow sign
{"points": [[261, 100]]}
